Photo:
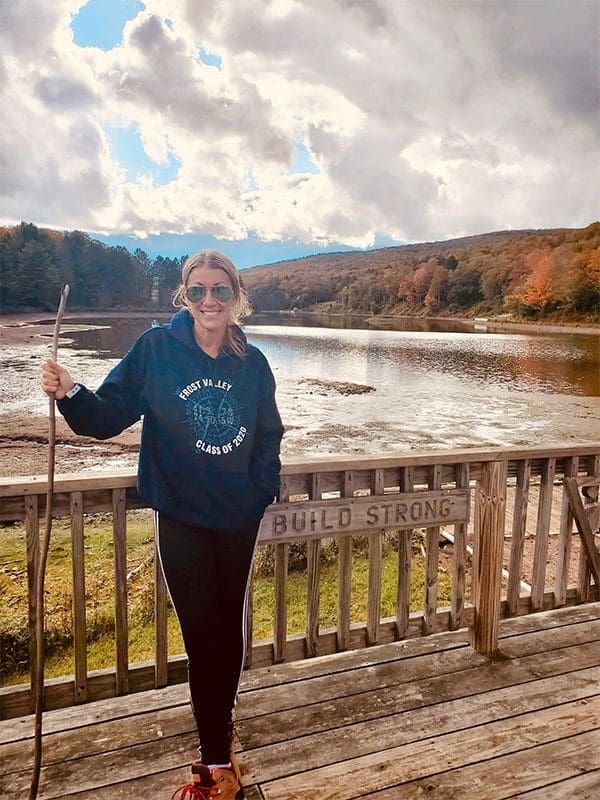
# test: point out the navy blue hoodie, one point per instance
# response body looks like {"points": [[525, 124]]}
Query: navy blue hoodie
{"points": [[211, 432]]}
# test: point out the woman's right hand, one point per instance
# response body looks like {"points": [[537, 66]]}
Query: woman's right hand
{"points": [[56, 380]]}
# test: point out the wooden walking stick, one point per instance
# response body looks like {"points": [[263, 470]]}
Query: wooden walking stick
{"points": [[41, 570]]}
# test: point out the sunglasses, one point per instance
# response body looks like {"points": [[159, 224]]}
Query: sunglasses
{"points": [[197, 293]]}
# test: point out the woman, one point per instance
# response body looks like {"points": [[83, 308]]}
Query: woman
{"points": [[209, 466]]}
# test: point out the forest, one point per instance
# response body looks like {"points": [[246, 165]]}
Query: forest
{"points": [[524, 273], [537, 274]]}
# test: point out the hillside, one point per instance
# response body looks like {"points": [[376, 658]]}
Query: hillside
{"points": [[530, 273]]}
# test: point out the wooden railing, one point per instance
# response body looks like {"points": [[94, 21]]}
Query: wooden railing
{"points": [[480, 500]]}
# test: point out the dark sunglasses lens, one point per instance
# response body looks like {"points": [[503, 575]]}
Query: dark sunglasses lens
{"points": [[222, 293], [195, 293]]}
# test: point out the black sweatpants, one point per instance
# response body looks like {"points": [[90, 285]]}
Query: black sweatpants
{"points": [[206, 572]]}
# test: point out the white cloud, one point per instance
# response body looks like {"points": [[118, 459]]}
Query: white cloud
{"points": [[426, 120]]}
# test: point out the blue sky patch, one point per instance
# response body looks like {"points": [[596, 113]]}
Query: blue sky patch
{"points": [[100, 23], [303, 161], [210, 59], [244, 253], [126, 148]]}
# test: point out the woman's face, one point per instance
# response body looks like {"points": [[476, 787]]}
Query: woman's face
{"points": [[210, 315]]}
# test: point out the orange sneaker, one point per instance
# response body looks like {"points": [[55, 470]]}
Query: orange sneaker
{"points": [[228, 785], [219, 783], [202, 786]]}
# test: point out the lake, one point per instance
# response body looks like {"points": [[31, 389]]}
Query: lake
{"points": [[431, 383]]}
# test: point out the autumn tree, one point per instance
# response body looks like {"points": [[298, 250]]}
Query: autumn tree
{"points": [[538, 286]]}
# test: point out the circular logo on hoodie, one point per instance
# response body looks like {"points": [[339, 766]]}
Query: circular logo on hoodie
{"points": [[212, 417]]}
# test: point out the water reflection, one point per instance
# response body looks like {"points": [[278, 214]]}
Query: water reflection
{"points": [[519, 362]]}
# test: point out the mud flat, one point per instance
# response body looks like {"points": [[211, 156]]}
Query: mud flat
{"points": [[24, 447]]}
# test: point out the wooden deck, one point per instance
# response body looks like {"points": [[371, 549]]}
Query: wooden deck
{"points": [[426, 717]]}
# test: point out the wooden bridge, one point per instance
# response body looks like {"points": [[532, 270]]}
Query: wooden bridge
{"points": [[495, 696]]}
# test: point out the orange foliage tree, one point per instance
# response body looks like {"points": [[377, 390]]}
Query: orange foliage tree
{"points": [[538, 287]]}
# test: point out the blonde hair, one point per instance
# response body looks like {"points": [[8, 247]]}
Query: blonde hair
{"points": [[241, 304]]}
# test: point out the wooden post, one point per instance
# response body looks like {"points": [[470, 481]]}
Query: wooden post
{"points": [[489, 535], [592, 511], [345, 576], [404, 557], [281, 575], [542, 532], [519, 531], [120, 571], [565, 538], [79, 623], [375, 568], [459, 558], [313, 580], [432, 551], [584, 527]]}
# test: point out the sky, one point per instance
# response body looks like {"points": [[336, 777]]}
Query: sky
{"points": [[273, 129]]}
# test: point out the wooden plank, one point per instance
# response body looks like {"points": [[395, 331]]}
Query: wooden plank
{"points": [[547, 766], [67, 482], [100, 736], [313, 581], [67, 718], [579, 787], [79, 615], [584, 528], [271, 761], [519, 527], [491, 502], [161, 653], [384, 695], [514, 626], [459, 558], [335, 463], [525, 635], [78, 775], [395, 765], [432, 552], [32, 533], [22, 485], [15, 700], [565, 538], [542, 528], [120, 573], [153, 785], [404, 558], [136, 760], [371, 692]]}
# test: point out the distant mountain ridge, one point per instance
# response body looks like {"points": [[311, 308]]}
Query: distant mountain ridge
{"points": [[474, 239], [526, 272]]}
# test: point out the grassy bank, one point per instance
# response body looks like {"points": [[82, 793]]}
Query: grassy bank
{"points": [[14, 634]]}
